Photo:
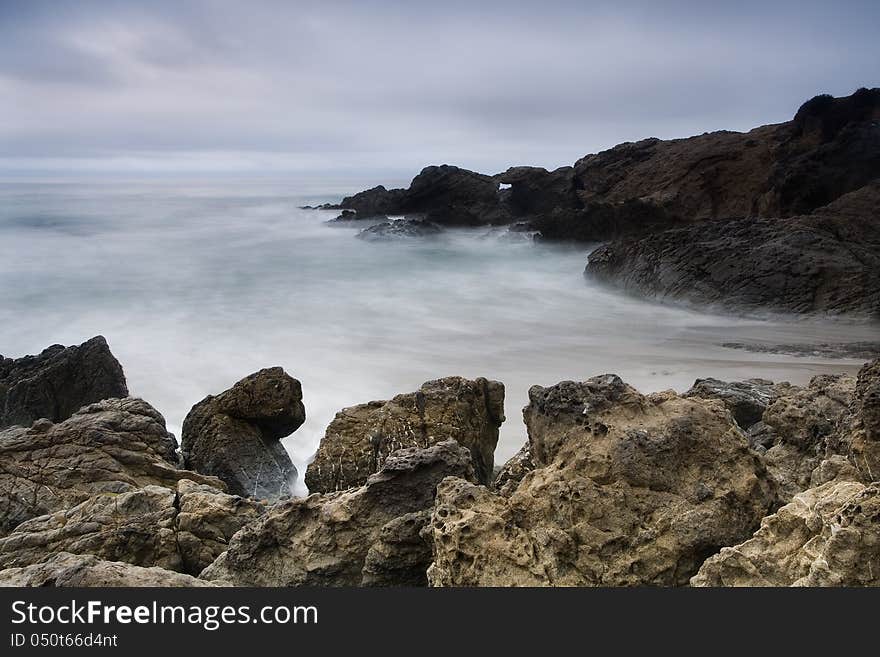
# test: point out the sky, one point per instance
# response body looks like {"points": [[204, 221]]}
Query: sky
{"points": [[274, 87]]}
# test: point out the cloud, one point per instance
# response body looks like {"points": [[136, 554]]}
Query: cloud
{"points": [[386, 85]]}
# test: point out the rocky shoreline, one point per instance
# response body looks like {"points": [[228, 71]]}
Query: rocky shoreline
{"points": [[752, 482], [781, 218]]}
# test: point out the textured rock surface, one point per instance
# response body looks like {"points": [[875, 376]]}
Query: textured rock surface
{"points": [[862, 430], [826, 536], [183, 530], [801, 424], [82, 570], [512, 472], [112, 446], [236, 434], [627, 490], [746, 400], [828, 261], [368, 535], [400, 229], [360, 438], [58, 382]]}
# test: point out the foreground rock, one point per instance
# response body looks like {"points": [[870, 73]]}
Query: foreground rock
{"points": [[364, 536], [826, 536], [82, 570], [746, 400], [58, 382], [182, 530], [114, 446], [360, 438], [627, 490], [825, 262], [860, 432], [236, 435]]}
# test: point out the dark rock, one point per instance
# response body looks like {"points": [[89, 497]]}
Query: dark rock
{"points": [[825, 262], [375, 201], [360, 438], [862, 428], [400, 229], [363, 536], [859, 350], [58, 382], [746, 400], [236, 435]]}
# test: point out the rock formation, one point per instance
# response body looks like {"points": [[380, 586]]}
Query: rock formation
{"points": [[400, 229], [627, 490], [746, 400], [85, 570], [360, 438], [113, 446], [236, 435], [58, 382], [826, 536], [861, 432], [363, 536]]}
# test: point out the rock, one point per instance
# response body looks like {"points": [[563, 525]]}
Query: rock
{"points": [[826, 536], [400, 229], [58, 382], [236, 435], [366, 535], [627, 490], [802, 421], [746, 400], [113, 446], [858, 350], [862, 428], [825, 262], [360, 438], [81, 570], [373, 202], [507, 478], [183, 530]]}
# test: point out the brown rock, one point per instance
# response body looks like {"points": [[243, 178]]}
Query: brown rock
{"points": [[360, 438]]}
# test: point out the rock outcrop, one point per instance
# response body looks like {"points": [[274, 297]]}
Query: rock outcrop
{"points": [[360, 438], [363, 536], [746, 400], [84, 570], [182, 530], [861, 432], [113, 446], [236, 435], [58, 382], [400, 229], [627, 490], [826, 536]]}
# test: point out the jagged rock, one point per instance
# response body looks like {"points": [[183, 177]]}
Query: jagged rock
{"points": [[826, 536], [746, 400], [627, 490], [236, 435], [360, 438], [400, 229], [58, 382], [366, 535], [112, 446], [862, 428], [802, 421], [373, 202], [828, 261], [84, 570], [507, 478], [182, 530]]}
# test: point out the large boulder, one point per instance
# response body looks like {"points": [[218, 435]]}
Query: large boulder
{"points": [[364, 536], [862, 429], [183, 529], [826, 536], [627, 490], [85, 570], [113, 446], [58, 382], [360, 438], [236, 435]]}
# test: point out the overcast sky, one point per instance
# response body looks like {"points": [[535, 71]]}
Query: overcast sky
{"points": [[298, 87]]}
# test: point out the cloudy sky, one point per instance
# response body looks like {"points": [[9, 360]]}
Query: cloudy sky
{"points": [[284, 87]]}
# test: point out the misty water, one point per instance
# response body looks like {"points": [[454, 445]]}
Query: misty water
{"points": [[197, 285]]}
